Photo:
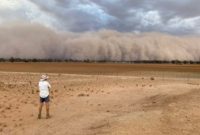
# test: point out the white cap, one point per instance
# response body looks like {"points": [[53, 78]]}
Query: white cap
{"points": [[44, 77]]}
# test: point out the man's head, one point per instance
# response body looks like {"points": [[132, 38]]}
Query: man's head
{"points": [[44, 77]]}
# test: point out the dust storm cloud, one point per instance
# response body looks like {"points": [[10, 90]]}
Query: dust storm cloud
{"points": [[24, 40]]}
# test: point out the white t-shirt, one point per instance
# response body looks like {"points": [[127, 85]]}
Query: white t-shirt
{"points": [[44, 87]]}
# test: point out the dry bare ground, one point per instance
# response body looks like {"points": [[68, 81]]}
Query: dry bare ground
{"points": [[122, 101]]}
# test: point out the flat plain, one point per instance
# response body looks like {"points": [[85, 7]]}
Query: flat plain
{"points": [[101, 99]]}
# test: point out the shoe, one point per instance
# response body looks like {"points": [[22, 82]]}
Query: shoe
{"points": [[48, 116], [39, 116]]}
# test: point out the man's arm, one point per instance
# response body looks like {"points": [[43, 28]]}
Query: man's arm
{"points": [[49, 86]]}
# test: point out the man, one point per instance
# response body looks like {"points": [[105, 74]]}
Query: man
{"points": [[44, 88]]}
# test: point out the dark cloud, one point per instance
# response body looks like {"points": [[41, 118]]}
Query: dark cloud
{"points": [[175, 17]]}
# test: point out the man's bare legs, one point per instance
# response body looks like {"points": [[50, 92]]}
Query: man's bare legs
{"points": [[40, 111], [47, 110]]}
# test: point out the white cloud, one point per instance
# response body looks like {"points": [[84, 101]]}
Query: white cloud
{"points": [[99, 14], [186, 25], [10, 4], [24, 10], [151, 18]]}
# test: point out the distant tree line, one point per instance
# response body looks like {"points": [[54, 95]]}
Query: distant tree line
{"points": [[12, 59]]}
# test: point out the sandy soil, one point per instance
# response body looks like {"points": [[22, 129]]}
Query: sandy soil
{"points": [[100, 105]]}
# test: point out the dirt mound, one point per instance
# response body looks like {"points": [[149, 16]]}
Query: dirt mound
{"points": [[2, 86]]}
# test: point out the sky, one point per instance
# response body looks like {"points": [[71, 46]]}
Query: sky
{"points": [[178, 17]]}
